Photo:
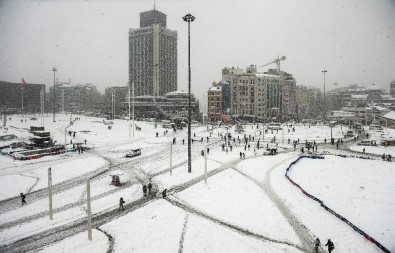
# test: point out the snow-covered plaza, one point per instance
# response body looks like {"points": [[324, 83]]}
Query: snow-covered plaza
{"points": [[244, 205]]}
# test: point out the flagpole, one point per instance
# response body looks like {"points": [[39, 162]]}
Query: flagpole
{"points": [[133, 106], [129, 110], [23, 84]]}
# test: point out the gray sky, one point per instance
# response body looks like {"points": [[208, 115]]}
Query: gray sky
{"points": [[87, 41]]}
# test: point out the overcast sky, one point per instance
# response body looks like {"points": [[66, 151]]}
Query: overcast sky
{"points": [[87, 41]]}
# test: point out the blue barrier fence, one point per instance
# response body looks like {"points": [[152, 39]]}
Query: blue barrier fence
{"points": [[356, 229]]}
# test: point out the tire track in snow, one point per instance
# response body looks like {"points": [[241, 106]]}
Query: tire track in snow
{"points": [[110, 240], [12, 203], [79, 203], [31, 187], [184, 229], [40, 240], [176, 202], [301, 230]]}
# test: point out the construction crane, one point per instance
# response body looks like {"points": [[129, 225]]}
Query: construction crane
{"points": [[276, 61]]}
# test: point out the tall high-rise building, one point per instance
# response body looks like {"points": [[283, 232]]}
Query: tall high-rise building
{"points": [[153, 56]]}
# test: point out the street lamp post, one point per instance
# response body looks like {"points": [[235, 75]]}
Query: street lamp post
{"points": [[54, 93], [189, 18], [324, 71]]}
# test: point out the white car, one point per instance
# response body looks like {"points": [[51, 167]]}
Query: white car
{"points": [[133, 153]]}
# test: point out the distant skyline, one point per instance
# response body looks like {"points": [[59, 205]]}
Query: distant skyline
{"points": [[87, 41]]}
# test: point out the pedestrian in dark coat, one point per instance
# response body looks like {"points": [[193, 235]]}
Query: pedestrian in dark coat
{"points": [[145, 190], [330, 245], [317, 244], [164, 193], [23, 198], [121, 202], [149, 188]]}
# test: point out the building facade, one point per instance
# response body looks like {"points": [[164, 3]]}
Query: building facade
{"points": [[121, 95], [219, 101], [392, 89], [309, 102], [11, 97], [75, 97], [153, 56], [261, 95], [171, 105]]}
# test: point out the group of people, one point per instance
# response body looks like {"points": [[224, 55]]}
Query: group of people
{"points": [[147, 189], [242, 155], [387, 157], [329, 244]]}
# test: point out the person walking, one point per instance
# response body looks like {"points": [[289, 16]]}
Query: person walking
{"points": [[316, 244], [149, 188], [330, 245], [145, 190], [23, 199], [164, 193], [121, 202]]}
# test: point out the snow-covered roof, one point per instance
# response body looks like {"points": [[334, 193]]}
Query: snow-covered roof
{"points": [[390, 115], [343, 114], [215, 88], [363, 96], [357, 89], [380, 108], [372, 87], [385, 96], [265, 75], [176, 92]]}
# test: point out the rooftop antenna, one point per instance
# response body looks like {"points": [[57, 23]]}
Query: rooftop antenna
{"points": [[155, 5]]}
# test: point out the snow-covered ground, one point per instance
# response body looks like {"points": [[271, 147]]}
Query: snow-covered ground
{"points": [[246, 206]]}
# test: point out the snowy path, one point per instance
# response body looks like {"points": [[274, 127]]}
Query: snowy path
{"points": [[181, 204], [12, 203]]}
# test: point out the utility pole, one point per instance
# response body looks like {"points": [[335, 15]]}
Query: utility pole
{"points": [[50, 193], [133, 107], [129, 110], [113, 104], [4, 117], [88, 199], [171, 158], [42, 105], [205, 164], [324, 71], [54, 94], [63, 109]]}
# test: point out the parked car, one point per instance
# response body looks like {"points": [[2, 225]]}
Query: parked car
{"points": [[350, 133], [133, 153], [367, 143]]}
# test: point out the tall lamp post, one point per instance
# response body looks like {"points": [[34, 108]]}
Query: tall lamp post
{"points": [[189, 18], [54, 93], [324, 71]]}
